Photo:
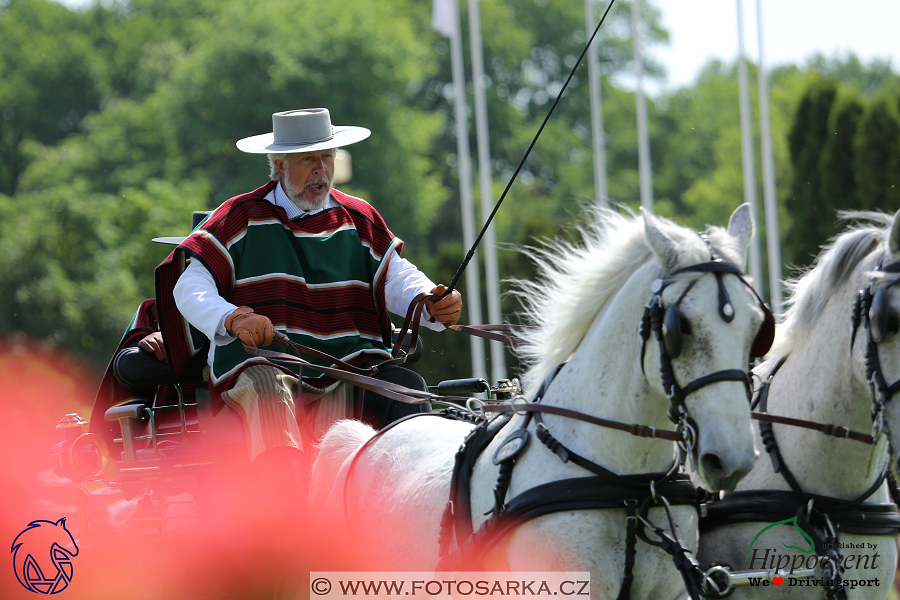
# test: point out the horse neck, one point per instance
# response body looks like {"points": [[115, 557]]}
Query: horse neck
{"points": [[819, 382], [604, 379]]}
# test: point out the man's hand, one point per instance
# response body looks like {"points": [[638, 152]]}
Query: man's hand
{"points": [[446, 310], [153, 344], [252, 329]]}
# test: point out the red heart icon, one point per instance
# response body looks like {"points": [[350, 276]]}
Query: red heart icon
{"points": [[777, 580]]}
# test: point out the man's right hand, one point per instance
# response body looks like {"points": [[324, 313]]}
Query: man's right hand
{"points": [[252, 329], [153, 344]]}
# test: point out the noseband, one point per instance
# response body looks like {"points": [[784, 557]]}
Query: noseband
{"points": [[665, 322], [871, 309]]}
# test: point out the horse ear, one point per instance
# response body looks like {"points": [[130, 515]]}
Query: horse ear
{"points": [[894, 238], [662, 245], [740, 227]]}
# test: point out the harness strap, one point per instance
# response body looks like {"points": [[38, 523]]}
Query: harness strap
{"points": [[631, 428], [865, 518], [630, 549], [476, 441], [413, 314], [564, 495], [567, 455], [724, 375], [828, 429], [691, 573], [487, 332], [298, 349]]}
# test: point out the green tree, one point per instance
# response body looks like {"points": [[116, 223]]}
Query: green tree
{"points": [[877, 156], [806, 140], [47, 84], [837, 163], [77, 230]]}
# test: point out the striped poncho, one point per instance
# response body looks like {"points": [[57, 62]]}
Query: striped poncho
{"points": [[319, 279]]}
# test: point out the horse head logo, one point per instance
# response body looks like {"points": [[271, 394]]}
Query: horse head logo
{"points": [[792, 521], [40, 541]]}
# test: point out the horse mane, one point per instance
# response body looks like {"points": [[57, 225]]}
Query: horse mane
{"points": [[811, 289], [575, 280]]}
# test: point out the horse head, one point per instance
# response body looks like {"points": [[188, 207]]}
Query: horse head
{"points": [[708, 323], [42, 555]]}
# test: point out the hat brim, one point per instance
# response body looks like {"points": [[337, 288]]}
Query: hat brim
{"points": [[265, 143]]}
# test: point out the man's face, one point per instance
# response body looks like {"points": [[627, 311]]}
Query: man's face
{"points": [[306, 177]]}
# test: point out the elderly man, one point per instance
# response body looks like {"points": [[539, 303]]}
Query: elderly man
{"points": [[302, 258]]}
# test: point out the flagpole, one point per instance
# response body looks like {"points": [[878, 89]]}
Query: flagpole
{"points": [[601, 195], [770, 200], [747, 152], [485, 179], [644, 168], [473, 283]]}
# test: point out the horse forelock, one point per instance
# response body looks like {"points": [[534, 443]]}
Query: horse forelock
{"points": [[576, 280], [726, 246], [833, 268]]}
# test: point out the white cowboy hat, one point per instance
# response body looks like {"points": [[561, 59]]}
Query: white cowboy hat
{"points": [[303, 130]]}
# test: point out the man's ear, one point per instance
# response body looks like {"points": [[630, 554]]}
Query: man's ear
{"points": [[280, 167]]}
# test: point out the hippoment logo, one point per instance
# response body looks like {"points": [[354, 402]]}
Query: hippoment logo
{"points": [[42, 556]]}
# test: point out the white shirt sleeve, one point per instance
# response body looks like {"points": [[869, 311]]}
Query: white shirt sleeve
{"points": [[403, 282], [198, 300]]}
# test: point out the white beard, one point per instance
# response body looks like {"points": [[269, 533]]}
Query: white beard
{"points": [[298, 196]]}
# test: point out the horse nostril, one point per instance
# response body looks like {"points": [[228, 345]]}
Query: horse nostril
{"points": [[711, 464]]}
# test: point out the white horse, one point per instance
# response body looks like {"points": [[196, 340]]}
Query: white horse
{"points": [[823, 379], [391, 490]]}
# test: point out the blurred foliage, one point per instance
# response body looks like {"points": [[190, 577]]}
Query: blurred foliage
{"points": [[845, 153], [119, 119]]}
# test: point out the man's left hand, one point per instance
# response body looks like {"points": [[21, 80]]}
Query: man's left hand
{"points": [[446, 310]]}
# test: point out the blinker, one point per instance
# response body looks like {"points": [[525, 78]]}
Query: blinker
{"points": [[878, 315], [671, 330], [766, 334]]}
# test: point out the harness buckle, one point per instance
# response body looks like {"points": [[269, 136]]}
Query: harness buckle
{"points": [[653, 491], [809, 507]]}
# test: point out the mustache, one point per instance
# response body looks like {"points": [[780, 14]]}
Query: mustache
{"points": [[321, 179]]}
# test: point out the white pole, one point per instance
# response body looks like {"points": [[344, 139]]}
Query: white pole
{"points": [[473, 287], [747, 152], [601, 195], [773, 233], [491, 272], [644, 170]]}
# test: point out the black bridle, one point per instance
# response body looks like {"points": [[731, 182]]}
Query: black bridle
{"points": [[872, 309], [665, 322]]}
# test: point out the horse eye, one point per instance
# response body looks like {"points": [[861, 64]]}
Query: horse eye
{"points": [[685, 326]]}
